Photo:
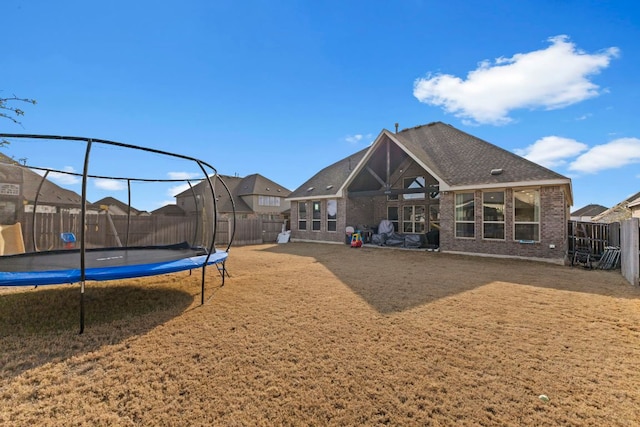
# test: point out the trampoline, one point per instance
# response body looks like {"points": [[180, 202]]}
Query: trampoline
{"points": [[95, 262]]}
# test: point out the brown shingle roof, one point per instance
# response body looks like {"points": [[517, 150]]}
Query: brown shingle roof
{"points": [[328, 181], [454, 157], [50, 193], [589, 210], [461, 159]]}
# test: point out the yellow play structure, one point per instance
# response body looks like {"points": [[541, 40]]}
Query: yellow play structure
{"points": [[11, 241]]}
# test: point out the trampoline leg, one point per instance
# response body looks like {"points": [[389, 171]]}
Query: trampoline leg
{"points": [[202, 290], [223, 271], [81, 307]]}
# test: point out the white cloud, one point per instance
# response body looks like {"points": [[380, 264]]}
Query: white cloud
{"points": [[552, 151], [614, 154], [109, 184], [355, 139], [177, 189], [184, 175], [550, 78], [62, 178]]}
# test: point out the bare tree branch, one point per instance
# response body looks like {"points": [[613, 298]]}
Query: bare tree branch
{"points": [[13, 112]]}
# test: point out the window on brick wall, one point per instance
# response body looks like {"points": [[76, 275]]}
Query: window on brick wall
{"points": [[302, 215], [413, 219], [526, 211], [268, 201], [493, 215], [332, 214], [465, 215], [316, 218], [415, 183]]}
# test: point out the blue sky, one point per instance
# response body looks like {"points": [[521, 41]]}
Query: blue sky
{"points": [[285, 88]]}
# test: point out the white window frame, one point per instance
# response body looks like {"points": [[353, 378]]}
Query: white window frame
{"points": [[459, 207], [501, 211], [301, 220], [332, 215], [316, 215], [414, 223], [537, 209], [268, 201]]}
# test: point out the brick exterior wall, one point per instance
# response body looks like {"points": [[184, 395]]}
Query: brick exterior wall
{"points": [[554, 214], [323, 235], [369, 211]]}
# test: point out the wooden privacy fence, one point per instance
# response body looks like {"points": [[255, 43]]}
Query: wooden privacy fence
{"points": [[104, 230], [593, 237]]}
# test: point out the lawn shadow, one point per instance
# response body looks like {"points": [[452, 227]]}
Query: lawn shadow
{"points": [[394, 280], [41, 325]]}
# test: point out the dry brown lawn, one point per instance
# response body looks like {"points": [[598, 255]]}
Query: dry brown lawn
{"points": [[318, 334]]}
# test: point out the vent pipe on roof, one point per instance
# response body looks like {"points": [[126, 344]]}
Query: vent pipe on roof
{"points": [[397, 124], [496, 171]]}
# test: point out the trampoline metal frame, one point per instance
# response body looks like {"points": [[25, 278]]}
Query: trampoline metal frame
{"points": [[211, 249]]}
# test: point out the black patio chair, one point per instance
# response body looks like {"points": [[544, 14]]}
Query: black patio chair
{"points": [[582, 256]]}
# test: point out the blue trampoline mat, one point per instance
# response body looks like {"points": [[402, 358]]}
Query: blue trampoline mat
{"points": [[59, 267]]}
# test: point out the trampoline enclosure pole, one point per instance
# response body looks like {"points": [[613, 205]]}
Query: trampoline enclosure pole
{"points": [[83, 225]]}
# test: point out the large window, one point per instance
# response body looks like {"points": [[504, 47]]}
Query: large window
{"points": [[315, 221], [392, 215], [465, 215], [332, 214], [268, 201], [302, 215], [526, 210], [417, 182], [493, 215], [413, 219]]}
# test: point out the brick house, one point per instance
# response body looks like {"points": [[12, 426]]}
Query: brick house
{"points": [[254, 196], [481, 199]]}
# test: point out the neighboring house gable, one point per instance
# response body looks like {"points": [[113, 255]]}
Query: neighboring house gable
{"points": [[634, 205], [20, 188], [483, 199], [619, 212], [116, 207], [169, 210], [586, 213], [253, 196]]}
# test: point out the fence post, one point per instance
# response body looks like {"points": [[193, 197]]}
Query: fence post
{"points": [[630, 250]]}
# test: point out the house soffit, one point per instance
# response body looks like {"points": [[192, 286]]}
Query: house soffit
{"points": [[372, 173]]}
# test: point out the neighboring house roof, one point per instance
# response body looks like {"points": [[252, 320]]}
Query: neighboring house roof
{"points": [[258, 184], [618, 212], [255, 184], [590, 210], [634, 203], [169, 210], [50, 193], [456, 159], [123, 207]]}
